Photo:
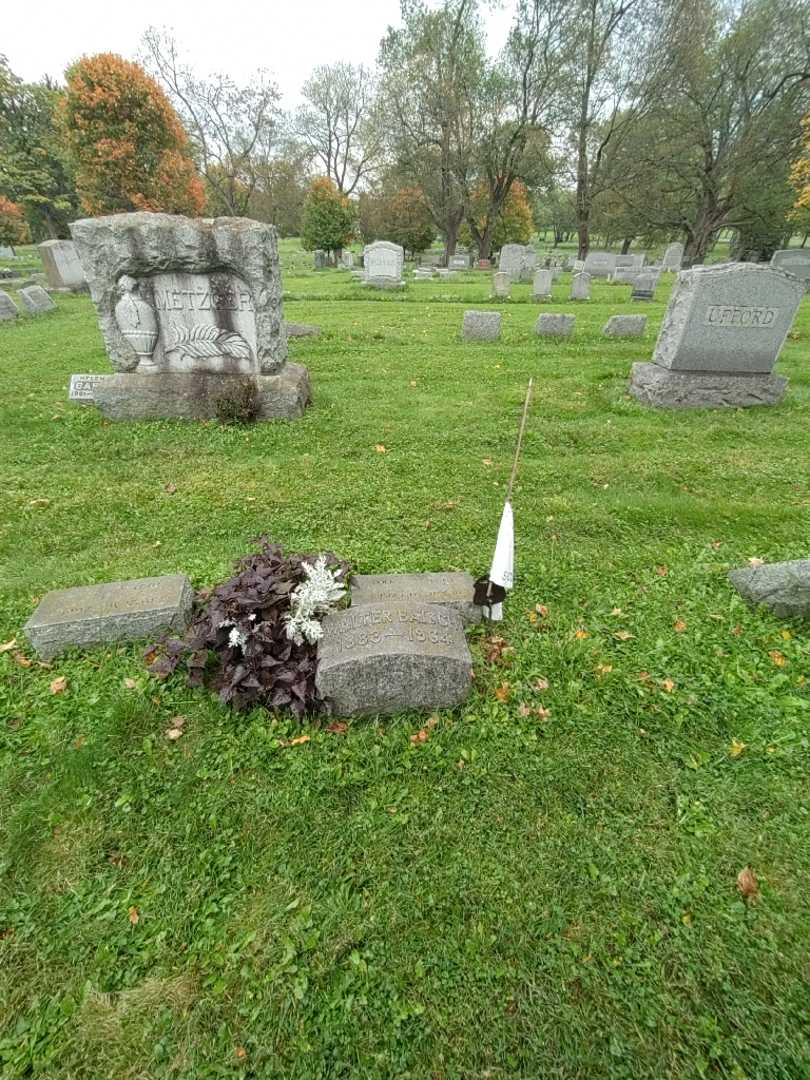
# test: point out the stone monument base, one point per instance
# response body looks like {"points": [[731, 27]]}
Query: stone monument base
{"points": [[665, 389], [193, 395], [382, 283]]}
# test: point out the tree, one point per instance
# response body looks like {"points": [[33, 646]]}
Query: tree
{"points": [[338, 124], [34, 170], [408, 220], [233, 128], [613, 74], [328, 220], [280, 194], [514, 223], [431, 67], [127, 145], [800, 173], [13, 226]]}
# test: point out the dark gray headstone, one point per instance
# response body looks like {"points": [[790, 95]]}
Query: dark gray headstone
{"points": [[386, 658], [481, 325], [452, 590], [8, 309], [644, 285], [36, 301], [783, 587], [118, 611]]}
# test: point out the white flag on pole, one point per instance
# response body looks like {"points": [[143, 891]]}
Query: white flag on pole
{"points": [[502, 571]]}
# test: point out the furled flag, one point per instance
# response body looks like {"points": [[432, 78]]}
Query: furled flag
{"points": [[491, 591]]}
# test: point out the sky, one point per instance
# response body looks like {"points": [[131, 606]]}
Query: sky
{"points": [[288, 37]]}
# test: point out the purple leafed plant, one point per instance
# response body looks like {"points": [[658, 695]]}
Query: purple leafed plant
{"points": [[239, 641]]}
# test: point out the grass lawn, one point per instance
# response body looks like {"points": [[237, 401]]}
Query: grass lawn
{"points": [[523, 895]]}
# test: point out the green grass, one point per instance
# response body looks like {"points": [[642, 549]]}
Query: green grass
{"points": [[516, 897]]}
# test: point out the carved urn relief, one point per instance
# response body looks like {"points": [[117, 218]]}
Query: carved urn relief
{"points": [[137, 322]]}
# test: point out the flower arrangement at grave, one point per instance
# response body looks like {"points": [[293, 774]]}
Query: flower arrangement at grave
{"points": [[253, 639]]}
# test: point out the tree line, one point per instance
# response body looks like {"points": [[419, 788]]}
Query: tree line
{"points": [[627, 120]]}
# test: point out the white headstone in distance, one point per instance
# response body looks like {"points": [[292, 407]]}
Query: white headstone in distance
{"points": [[673, 257], [795, 260], [581, 286]]}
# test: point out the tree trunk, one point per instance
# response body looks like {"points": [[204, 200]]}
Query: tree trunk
{"points": [[804, 240], [450, 240], [628, 240]]}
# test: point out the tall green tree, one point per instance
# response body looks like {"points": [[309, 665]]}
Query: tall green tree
{"points": [[328, 217], [34, 169]]}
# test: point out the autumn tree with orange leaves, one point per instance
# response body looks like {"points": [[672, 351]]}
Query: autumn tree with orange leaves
{"points": [[13, 226], [128, 147]]}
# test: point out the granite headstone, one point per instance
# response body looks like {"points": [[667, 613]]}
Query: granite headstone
{"points": [[452, 590], [62, 267], [556, 326], [481, 326], [36, 301]]}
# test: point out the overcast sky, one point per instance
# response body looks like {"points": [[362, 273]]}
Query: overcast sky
{"points": [[289, 37]]}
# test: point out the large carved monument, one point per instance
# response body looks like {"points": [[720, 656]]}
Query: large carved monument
{"points": [[190, 309]]}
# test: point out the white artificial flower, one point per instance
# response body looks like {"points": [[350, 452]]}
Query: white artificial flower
{"points": [[312, 597], [237, 638]]}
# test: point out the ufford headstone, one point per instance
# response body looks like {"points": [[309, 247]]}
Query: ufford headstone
{"points": [[36, 301], [383, 262], [190, 310], [481, 326], [721, 336], [83, 387], [795, 260], [389, 656], [62, 267], [118, 611], [8, 309]]}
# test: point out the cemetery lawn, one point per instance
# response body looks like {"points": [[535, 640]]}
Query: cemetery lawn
{"points": [[547, 886]]}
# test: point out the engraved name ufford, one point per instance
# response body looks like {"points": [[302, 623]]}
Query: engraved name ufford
{"points": [[732, 315]]}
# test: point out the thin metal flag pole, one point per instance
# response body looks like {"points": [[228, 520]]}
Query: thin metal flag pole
{"points": [[520, 440]]}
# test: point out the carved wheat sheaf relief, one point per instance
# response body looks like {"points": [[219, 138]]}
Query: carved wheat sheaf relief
{"points": [[201, 342]]}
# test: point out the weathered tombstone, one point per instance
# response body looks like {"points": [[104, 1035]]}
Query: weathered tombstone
{"points": [[36, 301], [389, 657], [459, 262], [383, 263], [644, 285], [599, 264], [632, 262], [347, 260], [795, 260], [118, 611], [581, 286], [452, 590], [62, 267], [721, 336], [556, 326], [783, 587], [577, 266], [423, 273], [481, 326], [7, 252], [541, 288], [190, 312], [625, 326], [301, 329], [8, 309], [319, 259], [673, 258], [518, 261], [501, 285], [625, 275], [83, 388]]}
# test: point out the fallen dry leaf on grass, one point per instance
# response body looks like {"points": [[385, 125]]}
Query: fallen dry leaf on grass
{"points": [[737, 630], [662, 571], [736, 748], [668, 685], [299, 740], [7, 646], [134, 916], [785, 635], [540, 684], [503, 692], [22, 660], [747, 884], [495, 648], [337, 727], [170, 489], [603, 669], [380, 448], [777, 657], [754, 561], [486, 461], [617, 611], [173, 734], [130, 684], [241, 1052], [420, 737], [59, 685], [580, 635], [39, 504], [679, 626], [623, 635]]}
